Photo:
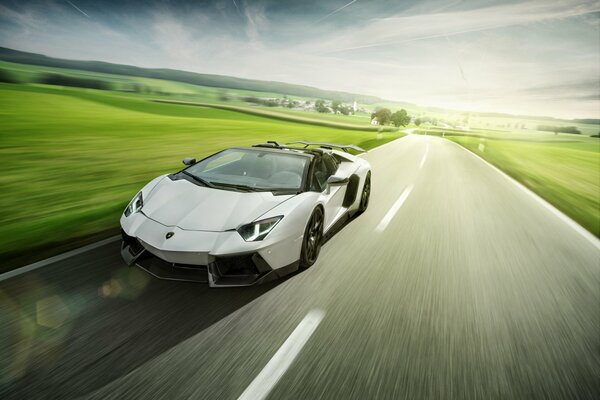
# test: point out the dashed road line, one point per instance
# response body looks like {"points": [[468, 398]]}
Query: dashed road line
{"points": [[392, 211], [266, 380], [424, 156]]}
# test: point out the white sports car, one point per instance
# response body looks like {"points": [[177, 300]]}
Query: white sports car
{"points": [[244, 215]]}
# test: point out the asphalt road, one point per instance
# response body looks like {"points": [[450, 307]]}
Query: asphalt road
{"points": [[471, 289]]}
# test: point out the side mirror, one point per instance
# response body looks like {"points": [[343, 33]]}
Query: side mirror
{"points": [[189, 161], [335, 180]]}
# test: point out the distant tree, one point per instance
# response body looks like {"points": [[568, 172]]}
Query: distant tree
{"points": [[64, 80], [400, 118], [335, 106], [570, 129], [251, 99], [382, 115], [137, 88], [558, 129], [7, 77], [321, 107], [346, 110], [418, 121]]}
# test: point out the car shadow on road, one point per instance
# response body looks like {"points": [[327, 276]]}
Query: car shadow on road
{"points": [[114, 320], [76, 326]]}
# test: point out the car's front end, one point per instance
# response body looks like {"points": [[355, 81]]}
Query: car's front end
{"points": [[183, 227], [220, 258]]}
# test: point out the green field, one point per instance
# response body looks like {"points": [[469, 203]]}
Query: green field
{"points": [[72, 158], [564, 169], [179, 91]]}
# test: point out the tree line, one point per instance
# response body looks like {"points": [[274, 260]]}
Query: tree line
{"points": [[335, 107], [64, 80], [7, 77], [383, 116], [558, 129]]}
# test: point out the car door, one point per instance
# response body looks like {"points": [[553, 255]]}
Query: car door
{"points": [[332, 196]]}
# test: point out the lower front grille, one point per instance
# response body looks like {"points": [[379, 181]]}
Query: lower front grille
{"points": [[172, 271], [239, 270], [236, 266]]}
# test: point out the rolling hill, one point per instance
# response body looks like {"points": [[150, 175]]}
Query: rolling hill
{"points": [[219, 81]]}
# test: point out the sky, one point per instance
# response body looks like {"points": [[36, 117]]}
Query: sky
{"points": [[533, 57]]}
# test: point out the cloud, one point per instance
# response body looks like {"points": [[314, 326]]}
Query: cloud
{"points": [[513, 57], [256, 21], [407, 27], [581, 90]]}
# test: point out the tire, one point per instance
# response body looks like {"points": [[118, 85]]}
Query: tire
{"points": [[366, 194], [313, 238]]}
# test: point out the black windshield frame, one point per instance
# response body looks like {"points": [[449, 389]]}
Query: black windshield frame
{"points": [[304, 186]]}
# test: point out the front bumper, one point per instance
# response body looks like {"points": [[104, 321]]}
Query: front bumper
{"points": [[217, 258], [243, 270]]}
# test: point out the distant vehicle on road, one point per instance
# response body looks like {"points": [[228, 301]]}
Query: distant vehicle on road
{"points": [[244, 215]]}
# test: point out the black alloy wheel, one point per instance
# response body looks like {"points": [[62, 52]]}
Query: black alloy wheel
{"points": [[366, 194], [313, 238]]}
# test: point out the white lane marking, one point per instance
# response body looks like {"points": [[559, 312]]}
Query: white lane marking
{"points": [[266, 380], [563, 217], [424, 156], [57, 258], [392, 211]]}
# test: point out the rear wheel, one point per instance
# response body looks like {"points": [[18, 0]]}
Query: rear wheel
{"points": [[366, 194], [313, 238]]}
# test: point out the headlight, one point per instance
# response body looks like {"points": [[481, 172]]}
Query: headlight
{"points": [[135, 205], [258, 230]]}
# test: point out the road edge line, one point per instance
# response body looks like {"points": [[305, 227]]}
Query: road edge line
{"points": [[57, 258], [547, 205], [383, 145]]}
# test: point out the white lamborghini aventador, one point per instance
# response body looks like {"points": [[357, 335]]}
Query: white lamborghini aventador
{"points": [[244, 215]]}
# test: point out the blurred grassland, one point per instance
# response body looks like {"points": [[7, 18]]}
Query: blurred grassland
{"points": [[181, 91], [564, 169], [72, 158]]}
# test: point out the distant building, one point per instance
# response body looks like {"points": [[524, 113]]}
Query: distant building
{"points": [[354, 106]]}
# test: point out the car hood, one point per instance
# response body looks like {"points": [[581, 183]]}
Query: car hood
{"points": [[192, 207]]}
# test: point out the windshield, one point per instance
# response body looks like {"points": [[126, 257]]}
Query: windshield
{"points": [[252, 169]]}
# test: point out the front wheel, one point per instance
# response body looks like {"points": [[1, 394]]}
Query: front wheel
{"points": [[313, 238], [366, 194]]}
